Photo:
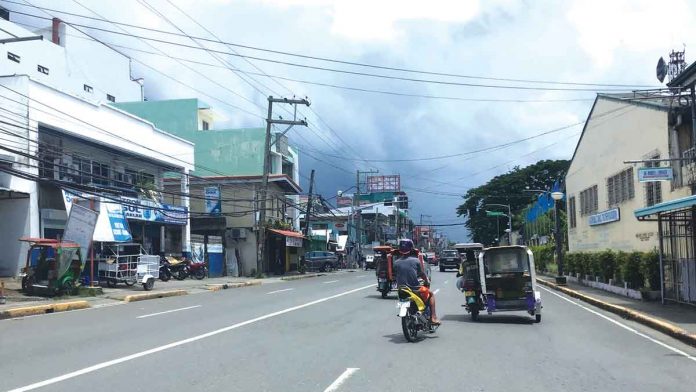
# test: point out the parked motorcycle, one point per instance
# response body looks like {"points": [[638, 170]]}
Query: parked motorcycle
{"points": [[414, 314], [165, 272], [197, 270], [178, 268]]}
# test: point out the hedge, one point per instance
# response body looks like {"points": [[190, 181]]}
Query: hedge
{"points": [[638, 269]]}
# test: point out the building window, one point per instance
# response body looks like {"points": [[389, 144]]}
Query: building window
{"points": [[620, 187], [653, 190], [205, 125], [110, 98], [572, 221], [13, 57], [87, 88], [42, 69], [588, 201], [100, 174]]}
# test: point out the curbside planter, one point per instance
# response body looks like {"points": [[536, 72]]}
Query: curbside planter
{"points": [[43, 309], [153, 295], [656, 324]]}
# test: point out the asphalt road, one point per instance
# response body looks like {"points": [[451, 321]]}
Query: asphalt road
{"points": [[335, 333]]}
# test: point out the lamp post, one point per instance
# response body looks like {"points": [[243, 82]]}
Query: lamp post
{"points": [[560, 279]]}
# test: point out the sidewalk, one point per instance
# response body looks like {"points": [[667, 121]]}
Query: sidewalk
{"points": [[682, 316], [15, 298]]}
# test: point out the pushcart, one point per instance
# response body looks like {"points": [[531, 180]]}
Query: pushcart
{"points": [[127, 263]]}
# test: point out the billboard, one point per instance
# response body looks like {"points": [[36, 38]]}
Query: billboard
{"points": [[391, 183]]}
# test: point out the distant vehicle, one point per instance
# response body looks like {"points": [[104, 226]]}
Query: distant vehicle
{"points": [[432, 258], [449, 258], [321, 260], [370, 261]]}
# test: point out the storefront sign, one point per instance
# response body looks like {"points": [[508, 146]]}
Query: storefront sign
{"points": [[80, 227], [650, 174], [603, 217], [213, 205], [293, 242], [339, 225], [148, 210], [197, 248], [118, 222], [214, 244]]}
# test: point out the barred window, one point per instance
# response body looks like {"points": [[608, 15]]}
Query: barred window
{"points": [[588, 201], [653, 190], [620, 187], [572, 220]]}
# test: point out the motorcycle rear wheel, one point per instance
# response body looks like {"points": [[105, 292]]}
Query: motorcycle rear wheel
{"points": [[408, 325], [384, 293], [199, 274], [181, 275]]}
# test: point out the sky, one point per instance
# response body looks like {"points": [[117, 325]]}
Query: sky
{"points": [[601, 42]]}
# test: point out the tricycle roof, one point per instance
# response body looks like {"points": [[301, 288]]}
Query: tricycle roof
{"points": [[50, 242]]}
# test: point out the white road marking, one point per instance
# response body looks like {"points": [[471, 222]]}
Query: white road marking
{"points": [[436, 291], [624, 326], [331, 281], [278, 291], [178, 343], [341, 379], [168, 311], [447, 281]]}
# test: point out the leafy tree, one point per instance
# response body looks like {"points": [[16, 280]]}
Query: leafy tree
{"points": [[506, 189]]}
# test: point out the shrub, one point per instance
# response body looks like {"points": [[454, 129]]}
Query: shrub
{"points": [[631, 270], [621, 260], [543, 256], [570, 261], [650, 269], [605, 265]]}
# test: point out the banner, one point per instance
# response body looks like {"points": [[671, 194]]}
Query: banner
{"points": [[213, 205], [197, 248], [148, 210], [80, 227]]}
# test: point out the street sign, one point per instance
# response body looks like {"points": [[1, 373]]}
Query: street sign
{"points": [[495, 213], [603, 217], [652, 174]]}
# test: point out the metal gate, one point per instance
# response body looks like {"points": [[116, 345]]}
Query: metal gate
{"points": [[677, 240]]}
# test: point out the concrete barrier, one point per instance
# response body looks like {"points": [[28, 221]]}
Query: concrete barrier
{"points": [[296, 277], [630, 314], [153, 295], [43, 309], [232, 285]]}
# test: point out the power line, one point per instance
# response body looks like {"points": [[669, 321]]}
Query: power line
{"points": [[325, 59], [341, 71]]}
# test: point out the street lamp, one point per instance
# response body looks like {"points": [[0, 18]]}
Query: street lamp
{"points": [[509, 229], [560, 279]]}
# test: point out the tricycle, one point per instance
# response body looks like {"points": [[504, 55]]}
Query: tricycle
{"points": [[127, 263], [52, 267], [506, 281], [382, 261]]}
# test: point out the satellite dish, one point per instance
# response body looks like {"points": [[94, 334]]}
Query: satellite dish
{"points": [[661, 70]]}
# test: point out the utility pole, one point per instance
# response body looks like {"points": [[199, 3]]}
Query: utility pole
{"points": [[261, 229], [356, 204], [308, 214]]}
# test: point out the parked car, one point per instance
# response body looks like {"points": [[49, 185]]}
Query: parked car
{"points": [[449, 258], [321, 261]]}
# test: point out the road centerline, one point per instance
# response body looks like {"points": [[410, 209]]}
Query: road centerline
{"points": [[624, 326], [168, 311], [331, 281], [279, 291], [341, 379], [154, 350]]}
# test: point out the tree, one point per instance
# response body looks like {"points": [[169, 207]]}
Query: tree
{"points": [[509, 189]]}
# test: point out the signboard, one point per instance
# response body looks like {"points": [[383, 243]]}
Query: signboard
{"points": [[80, 227], [603, 217], [117, 222], [148, 210], [344, 201], [197, 248], [339, 225], [111, 225], [650, 174], [213, 205], [293, 242], [390, 183], [214, 244]]}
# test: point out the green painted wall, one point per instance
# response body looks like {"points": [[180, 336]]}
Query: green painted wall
{"points": [[217, 152]]}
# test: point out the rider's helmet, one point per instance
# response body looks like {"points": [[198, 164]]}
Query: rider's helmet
{"points": [[405, 246]]}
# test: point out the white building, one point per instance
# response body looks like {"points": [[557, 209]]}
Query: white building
{"points": [[55, 136], [602, 190]]}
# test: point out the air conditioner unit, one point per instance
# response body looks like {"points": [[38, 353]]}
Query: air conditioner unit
{"points": [[238, 234]]}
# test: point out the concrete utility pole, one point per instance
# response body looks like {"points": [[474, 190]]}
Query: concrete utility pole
{"points": [[261, 229], [308, 214]]}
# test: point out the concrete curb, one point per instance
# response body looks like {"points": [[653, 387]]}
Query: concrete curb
{"points": [[153, 295], [232, 285], [654, 323], [296, 277], [43, 309]]}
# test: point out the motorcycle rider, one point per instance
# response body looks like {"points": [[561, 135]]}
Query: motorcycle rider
{"points": [[408, 269]]}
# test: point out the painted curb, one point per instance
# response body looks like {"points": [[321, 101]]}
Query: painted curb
{"points": [[296, 277], [232, 285], [153, 295], [43, 309], [654, 323]]}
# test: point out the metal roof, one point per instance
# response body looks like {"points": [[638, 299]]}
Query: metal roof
{"points": [[671, 205]]}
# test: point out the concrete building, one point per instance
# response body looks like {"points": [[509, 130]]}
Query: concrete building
{"points": [[602, 191], [231, 160]]}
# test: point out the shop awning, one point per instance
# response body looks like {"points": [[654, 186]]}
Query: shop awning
{"points": [[287, 233], [651, 212]]}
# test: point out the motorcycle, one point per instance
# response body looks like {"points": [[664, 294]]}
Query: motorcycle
{"points": [[164, 271], [414, 314], [197, 270]]}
